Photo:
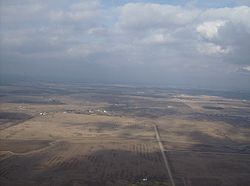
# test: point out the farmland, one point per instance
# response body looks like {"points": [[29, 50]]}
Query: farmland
{"points": [[83, 134]]}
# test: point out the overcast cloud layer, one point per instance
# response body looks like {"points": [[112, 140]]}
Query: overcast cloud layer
{"points": [[190, 44]]}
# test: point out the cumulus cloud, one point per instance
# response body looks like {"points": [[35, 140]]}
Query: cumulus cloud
{"points": [[210, 29], [170, 39], [83, 11], [246, 68], [148, 15], [210, 48], [236, 15], [158, 39]]}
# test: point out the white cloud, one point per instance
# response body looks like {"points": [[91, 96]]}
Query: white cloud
{"points": [[84, 11], [247, 68], [158, 38], [210, 49], [86, 5], [148, 15], [210, 29], [236, 15]]}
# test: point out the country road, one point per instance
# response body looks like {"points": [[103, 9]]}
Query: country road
{"points": [[164, 155]]}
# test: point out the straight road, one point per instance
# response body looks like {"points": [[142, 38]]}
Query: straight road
{"points": [[164, 155]]}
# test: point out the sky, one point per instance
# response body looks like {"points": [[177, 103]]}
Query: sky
{"points": [[186, 44]]}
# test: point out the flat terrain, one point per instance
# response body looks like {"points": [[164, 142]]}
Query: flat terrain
{"points": [[96, 135]]}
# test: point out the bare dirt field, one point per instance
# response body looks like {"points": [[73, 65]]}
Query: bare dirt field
{"points": [[98, 135]]}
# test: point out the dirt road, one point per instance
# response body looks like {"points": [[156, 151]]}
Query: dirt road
{"points": [[164, 155]]}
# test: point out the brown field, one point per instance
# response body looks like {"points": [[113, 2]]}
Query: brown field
{"points": [[56, 135]]}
